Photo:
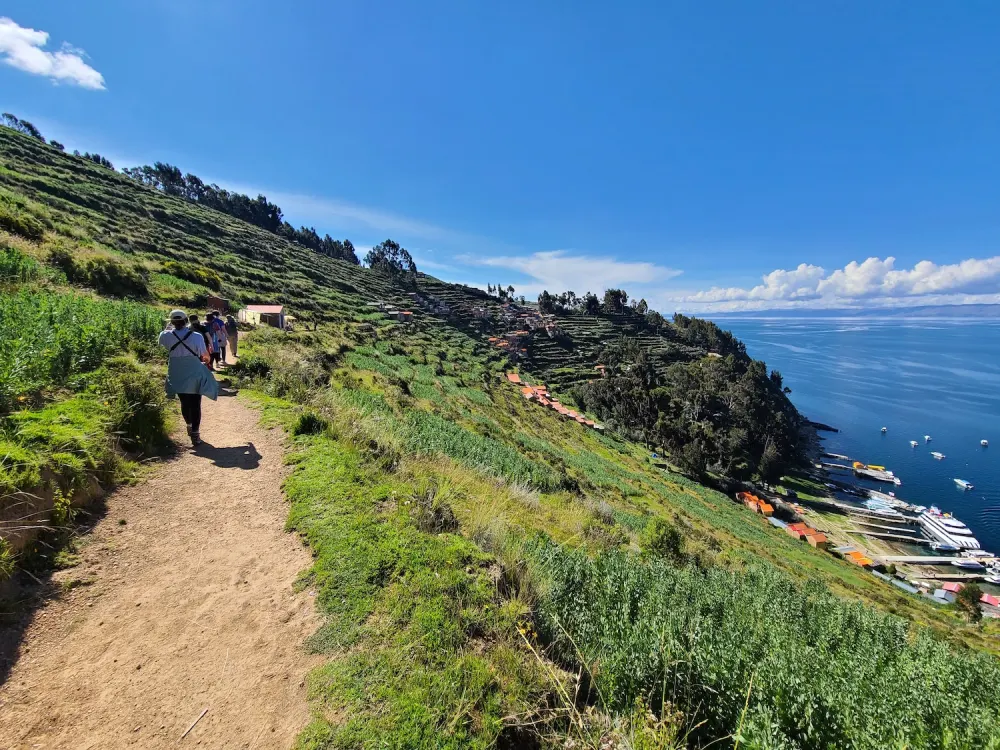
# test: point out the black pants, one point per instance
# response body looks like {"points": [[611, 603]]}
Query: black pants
{"points": [[191, 409]]}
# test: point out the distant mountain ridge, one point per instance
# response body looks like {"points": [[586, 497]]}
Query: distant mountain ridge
{"points": [[922, 311]]}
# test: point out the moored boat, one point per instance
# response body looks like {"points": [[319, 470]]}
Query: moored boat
{"points": [[927, 438], [937, 455], [913, 443], [945, 528], [944, 547], [968, 564], [964, 484], [984, 443]]}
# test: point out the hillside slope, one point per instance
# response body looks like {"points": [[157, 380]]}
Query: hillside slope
{"points": [[490, 573]]}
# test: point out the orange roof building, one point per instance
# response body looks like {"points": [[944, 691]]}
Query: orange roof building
{"points": [[818, 540], [513, 377]]}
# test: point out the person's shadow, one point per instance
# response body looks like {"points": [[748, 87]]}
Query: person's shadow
{"points": [[236, 457]]}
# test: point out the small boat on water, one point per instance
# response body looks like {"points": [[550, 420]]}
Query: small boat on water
{"points": [[927, 438], [964, 484], [944, 547], [885, 430], [984, 443], [937, 455], [913, 443], [977, 553], [968, 564], [995, 580]]}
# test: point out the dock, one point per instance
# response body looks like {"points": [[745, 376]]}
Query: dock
{"points": [[887, 528], [892, 537], [929, 560], [828, 465], [836, 455]]}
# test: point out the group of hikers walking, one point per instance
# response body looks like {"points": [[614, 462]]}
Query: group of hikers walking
{"points": [[194, 350]]}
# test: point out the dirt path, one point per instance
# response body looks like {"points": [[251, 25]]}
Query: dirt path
{"points": [[189, 606]]}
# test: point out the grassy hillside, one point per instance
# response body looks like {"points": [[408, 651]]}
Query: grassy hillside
{"points": [[493, 575]]}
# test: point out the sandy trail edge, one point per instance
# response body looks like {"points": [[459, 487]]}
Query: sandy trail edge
{"points": [[191, 607]]}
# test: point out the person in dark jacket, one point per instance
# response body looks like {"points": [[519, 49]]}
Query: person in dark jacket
{"points": [[198, 327]]}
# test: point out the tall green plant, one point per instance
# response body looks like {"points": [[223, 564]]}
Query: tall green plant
{"points": [[47, 338]]}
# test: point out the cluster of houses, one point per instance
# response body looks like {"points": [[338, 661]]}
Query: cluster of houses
{"points": [[402, 316], [512, 343], [755, 504], [854, 556], [430, 303], [949, 592], [540, 395], [798, 530]]}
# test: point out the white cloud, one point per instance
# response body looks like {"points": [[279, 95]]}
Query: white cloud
{"points": [[21, 48], [874, 282], [558, 271]]}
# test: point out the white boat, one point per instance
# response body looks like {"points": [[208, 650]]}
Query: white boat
{"points": [[977, 553], [995, 580], [927, 438], [984, 443], [885, 430], [937, 455], [913, 443], [944, 547], [945, 528], [964, 484], [968, 565]]}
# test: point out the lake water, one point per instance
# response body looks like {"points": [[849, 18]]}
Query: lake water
{"points": [[939, 378]]}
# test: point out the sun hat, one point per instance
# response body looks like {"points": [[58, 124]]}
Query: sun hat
{"points": [[178, 315]]}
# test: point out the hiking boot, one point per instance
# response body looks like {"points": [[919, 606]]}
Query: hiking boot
{"points": [[195, 438]]}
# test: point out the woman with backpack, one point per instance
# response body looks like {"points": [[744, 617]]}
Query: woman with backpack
{"points": [[187, 376]]}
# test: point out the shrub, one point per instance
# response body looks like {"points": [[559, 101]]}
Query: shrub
{"points": [[250, 366], [194, 274], [310, 423], [16, 267], [663, 539], [136, 406], [104, 274], [15, 218], [115, 279]]}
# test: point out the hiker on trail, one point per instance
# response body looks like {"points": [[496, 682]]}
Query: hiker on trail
{"points": [[187, 376], [233, 334], [198, 327], [218, 330]]}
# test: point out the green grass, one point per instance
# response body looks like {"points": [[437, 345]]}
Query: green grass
{"points": [[47, 338], [755, 656], [423, 651]]}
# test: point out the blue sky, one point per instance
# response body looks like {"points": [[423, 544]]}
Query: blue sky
{"points": [[705, 155]]}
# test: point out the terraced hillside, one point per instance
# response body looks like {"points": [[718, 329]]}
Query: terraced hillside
{"points": [[489, 574], [99, 213], [570, 358]]}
